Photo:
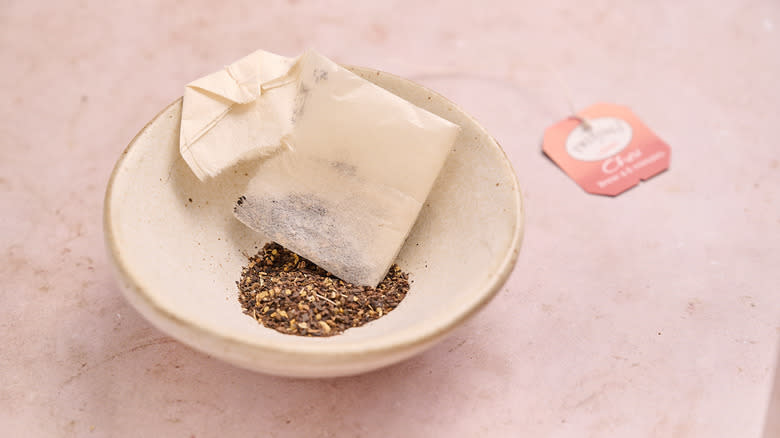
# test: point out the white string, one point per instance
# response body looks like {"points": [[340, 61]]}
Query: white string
{"points": [[276, 83], [281, 81], [568, 95]]}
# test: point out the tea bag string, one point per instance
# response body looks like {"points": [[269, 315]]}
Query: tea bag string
{"points": [[280, 81], [568, 95]]}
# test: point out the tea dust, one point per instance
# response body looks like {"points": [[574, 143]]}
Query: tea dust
{"points": [[292, 295]]}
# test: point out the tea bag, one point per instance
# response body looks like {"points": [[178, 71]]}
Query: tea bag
{"points": [[347, 166], [229, 116]]}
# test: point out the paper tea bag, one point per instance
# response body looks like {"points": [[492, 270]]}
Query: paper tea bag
{"points": [[348, 171], [227, 116]]}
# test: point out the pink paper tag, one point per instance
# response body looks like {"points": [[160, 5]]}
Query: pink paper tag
{"points": [[606, 149]]}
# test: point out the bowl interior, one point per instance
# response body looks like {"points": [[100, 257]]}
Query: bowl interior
{"points": [[179, 249]]}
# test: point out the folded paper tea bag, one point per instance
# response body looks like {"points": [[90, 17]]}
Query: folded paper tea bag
{"points": [[346, 165], [228, 117]]}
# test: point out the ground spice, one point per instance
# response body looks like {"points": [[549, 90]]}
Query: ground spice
{"points": [[292, 295]]}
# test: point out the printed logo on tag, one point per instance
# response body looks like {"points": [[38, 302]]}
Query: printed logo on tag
{"points": [[606, 149]]}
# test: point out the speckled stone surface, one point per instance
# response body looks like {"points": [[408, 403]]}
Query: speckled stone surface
{"points": [[656, 313]]}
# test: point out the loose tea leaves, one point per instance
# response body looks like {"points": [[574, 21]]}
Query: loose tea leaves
{"points": [[292, 295]]}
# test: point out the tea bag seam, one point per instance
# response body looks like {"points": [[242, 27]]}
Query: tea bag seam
{"points": [[188, 143]]}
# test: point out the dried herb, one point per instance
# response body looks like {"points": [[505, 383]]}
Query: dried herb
{"points": [[292, 295]]}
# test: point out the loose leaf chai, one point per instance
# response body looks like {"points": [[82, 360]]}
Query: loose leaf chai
{"points": [[292, 295]]}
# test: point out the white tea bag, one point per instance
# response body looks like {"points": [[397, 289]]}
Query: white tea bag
{"points": [[355, 166]]}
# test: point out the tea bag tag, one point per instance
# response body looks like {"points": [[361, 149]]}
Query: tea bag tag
{"points": [[606, 149]]}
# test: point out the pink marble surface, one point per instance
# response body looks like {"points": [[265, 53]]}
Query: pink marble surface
{"points": [[653, 314]]}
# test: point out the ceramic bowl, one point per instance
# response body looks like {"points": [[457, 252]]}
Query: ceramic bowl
{"points": [[178, 250]]}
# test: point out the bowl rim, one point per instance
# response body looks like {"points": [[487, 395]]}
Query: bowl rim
{"points": [[396, 342]]}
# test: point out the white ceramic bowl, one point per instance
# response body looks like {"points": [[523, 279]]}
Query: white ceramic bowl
{"points": [[178, 250]]}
